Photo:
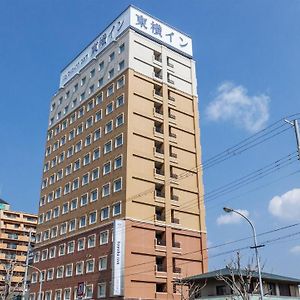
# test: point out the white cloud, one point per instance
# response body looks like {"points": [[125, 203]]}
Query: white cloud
{"points": [[232, 218], [286, 206], [295, 249], [232, 103]]}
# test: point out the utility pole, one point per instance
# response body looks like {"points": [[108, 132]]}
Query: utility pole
{"points": [[295, 124]]}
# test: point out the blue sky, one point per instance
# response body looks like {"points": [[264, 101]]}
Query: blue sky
{"points": [[248, 62]]}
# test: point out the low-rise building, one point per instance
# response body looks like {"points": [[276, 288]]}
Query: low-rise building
{"points": [[15, 228], [210, 286]]}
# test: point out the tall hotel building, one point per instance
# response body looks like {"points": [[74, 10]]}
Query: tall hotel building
{"points": [[121, 211]]}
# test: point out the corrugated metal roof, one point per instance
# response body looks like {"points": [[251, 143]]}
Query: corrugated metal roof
{"points": [[226, 272]]}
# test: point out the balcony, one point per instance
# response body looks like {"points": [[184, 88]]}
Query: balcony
{"points": [[173, 178], [176, 247], [160, 271], [158, 112], [173, 157], [158, 150], [157, 74], [157, 58], [160, 245], [174, 200], [158, 130], [157, 92], [159, 215]]}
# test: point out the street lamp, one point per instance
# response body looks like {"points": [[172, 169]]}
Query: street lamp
{"points": [[230, 210]]}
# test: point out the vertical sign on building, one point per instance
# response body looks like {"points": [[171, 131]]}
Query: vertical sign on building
{"points": [[118, 258]]}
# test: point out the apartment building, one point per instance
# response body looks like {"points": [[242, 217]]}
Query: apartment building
{"points": [[121, 212], [15, 228]]}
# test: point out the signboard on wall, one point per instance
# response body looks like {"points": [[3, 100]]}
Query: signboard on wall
{"points": [[118, 258], [136, 19]]}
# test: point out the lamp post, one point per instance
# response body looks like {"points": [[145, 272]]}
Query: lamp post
{"points": [[230, 210]]}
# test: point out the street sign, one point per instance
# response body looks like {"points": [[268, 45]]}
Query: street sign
{"points": [[80, 289]]}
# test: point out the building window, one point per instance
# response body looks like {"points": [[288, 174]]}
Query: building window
{"points": [[54, 231], [72, 225], [52, 252], [121, 65], [70, 247], [76, 87], [57, 295], [102, 263], [65, 208], [80, 112], [79, 268], [120, 101], [109, 108], [60, 272], [61, 249], [73, 204], [106, 190], [67, 188], [119, 120], [93, 217], [69, 270], [70, 152], [92, 241], [48, 295], [50, 274], [85, 179], [108, 127], [81, 244], [88, 140], [97, 134], [90, 266], [90, 105], [118, 185], [88, 291], [104, 213], [92, 73], [86, 159], [99, 98], [79, 129], [95, 174], [75, 184], [108, 147], [44, 254], [67, 294], [103, 237], [100, 82], [82, 96], [101, 290], [110, 90], [117, 209], [89, 122], [119, 140], [101, 66], [94, 195], [83, 80], [63, 228], [121, 48], [98, 116], [112, 56], [76, 165], [107, 168], [96, 153], [84, 200], [118, 162], [82, 221]]}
